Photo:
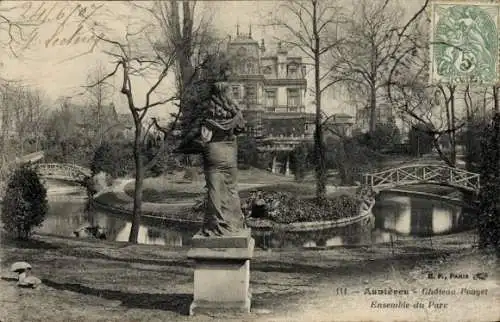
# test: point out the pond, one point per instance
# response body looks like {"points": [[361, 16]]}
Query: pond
{"points": [[393, 217]]}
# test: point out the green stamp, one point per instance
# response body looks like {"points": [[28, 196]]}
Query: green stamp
{"points": [[465, 43]]}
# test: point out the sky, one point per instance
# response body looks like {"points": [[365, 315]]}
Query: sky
{"points": [[57, 52]]}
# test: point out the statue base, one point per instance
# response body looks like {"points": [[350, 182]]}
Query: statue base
{"points": [[222, 273]]}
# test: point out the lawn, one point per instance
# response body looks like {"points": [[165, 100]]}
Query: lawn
{"points": [[173, 188], [87, 280]]}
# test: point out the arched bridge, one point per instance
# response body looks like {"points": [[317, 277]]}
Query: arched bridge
{"points": [[423, 173], [63, 171]]}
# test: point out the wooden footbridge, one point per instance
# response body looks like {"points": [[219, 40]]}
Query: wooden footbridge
{"points": [[423, 174], [63, 171]]}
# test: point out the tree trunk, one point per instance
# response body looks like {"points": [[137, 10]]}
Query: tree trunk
{"points": [[318, 133], [139, 177], [453, 142], [373, 110], [341, 161]]}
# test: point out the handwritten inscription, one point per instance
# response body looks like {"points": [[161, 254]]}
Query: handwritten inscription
{"points": [[70, 23]]}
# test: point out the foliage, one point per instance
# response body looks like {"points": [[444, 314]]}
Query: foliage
{"points": [[301, 160], [113, 158], [247, 152], [476, 129], [285, 208], [163, 157], [352, 157], [116, 158], [421, 141], [489, 215], [385, 137], [25, 202], [66, 140]]}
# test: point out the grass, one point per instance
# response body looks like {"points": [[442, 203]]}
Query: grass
{"points": [[171, 188], [87, 280], [152, 195]]}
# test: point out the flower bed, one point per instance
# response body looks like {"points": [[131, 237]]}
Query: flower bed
{"points": [[285, 208]]}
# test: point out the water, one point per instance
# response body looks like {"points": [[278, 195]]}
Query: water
{"points": [[393, 217]]}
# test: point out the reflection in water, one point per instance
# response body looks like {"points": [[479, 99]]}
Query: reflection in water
{"points": [[143, 238], [418, 216], [392, 215], [335, 241]]}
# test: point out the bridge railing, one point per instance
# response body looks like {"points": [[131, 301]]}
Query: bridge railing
{"points": [[62, 170], [424, 173]]}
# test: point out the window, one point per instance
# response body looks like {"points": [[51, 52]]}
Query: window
{"points": [[270, 98], [250, 68], [236, 92], [293, 97], [268, 70], [293, 71], [241, 68], [250, 93]]}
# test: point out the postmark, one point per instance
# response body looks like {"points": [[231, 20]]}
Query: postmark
{"points": [[464, 42]]}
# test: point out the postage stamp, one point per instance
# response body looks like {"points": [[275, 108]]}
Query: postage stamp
{"points": [[464, 42]]}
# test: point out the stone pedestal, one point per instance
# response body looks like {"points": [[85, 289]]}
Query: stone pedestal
{"points": [[222, 273]]}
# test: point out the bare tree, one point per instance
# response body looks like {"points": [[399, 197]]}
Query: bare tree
{"points": [[409, 92], [98, 96], [135, 58], [312, 27], [374, 38], [186, 30]]}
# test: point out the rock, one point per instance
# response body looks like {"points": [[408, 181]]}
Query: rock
{"points": [[28, 281], [89, 231], [20, 267]]}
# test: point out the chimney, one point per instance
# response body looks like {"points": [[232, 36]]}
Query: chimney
{"points": [[250, 31], [262, 45]]}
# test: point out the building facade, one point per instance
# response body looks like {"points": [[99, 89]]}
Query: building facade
{"points": [[271, 89]]}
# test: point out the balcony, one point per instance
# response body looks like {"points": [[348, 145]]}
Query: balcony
{"points": [[285, 109], [287, 138], [285, 81]]}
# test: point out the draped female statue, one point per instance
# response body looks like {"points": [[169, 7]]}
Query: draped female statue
{"points": [[213, 130]]}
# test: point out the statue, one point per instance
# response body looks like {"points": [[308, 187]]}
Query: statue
{"points": [[214, 132]]}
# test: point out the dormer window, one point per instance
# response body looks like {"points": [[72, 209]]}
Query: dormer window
{"points": [[242, 51]]}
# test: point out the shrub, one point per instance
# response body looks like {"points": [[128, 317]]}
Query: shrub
{"points": [[489, 214], [471, 138], [300, 161], [282, 207], [113, 158], [25, 202], [385, 137], [421, 141], [247, 152], [352, 159]]}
